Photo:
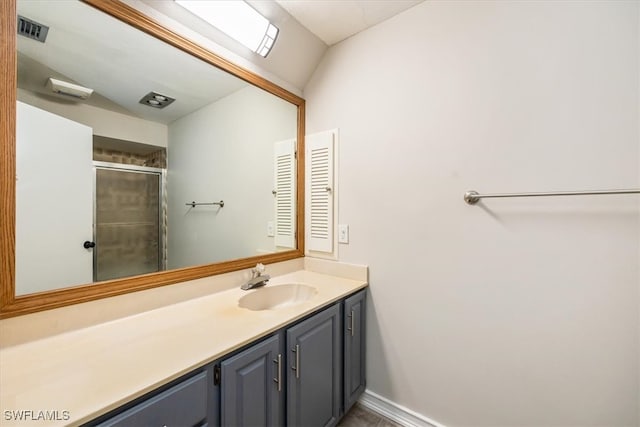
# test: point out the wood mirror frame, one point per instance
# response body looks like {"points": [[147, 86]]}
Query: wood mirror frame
{"points": [[10, 304]]}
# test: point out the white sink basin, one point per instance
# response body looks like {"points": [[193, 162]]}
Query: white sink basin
{"points": [[278, 296]]}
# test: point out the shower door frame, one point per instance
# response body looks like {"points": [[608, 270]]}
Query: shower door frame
{"points": [[162, 175]]}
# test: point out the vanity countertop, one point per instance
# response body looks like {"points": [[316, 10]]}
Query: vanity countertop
{"points": [[93, 370]]}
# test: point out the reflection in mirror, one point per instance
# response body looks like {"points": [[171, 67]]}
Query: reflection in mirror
{"points": [[117, 185]]}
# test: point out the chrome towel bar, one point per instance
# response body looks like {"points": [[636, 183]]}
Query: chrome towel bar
{"points": [[194, 204], [472, 197]]}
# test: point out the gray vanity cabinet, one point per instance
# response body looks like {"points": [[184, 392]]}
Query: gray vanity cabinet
{"points": [[314, 379], [354, 348], [252, 386], [307, 374]]}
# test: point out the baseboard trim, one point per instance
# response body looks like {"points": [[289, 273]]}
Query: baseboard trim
{"points": [[395, 412]]}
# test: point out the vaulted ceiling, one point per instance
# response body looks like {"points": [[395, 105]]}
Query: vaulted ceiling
{"points": [[307, 29], [333, 21], [122, 64]]}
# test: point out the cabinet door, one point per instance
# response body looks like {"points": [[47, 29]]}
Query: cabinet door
{"points": [[315, 370], [354, 348], [252, 387]]}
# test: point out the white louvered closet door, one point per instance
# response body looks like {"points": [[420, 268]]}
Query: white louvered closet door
{"points": [[285, 187], [319, 191]]}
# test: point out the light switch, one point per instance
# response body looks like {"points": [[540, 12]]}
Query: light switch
{"points": [[343, 233], [271, 229]]}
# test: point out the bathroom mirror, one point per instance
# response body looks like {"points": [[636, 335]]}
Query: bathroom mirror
{"points": [[111, 194]]}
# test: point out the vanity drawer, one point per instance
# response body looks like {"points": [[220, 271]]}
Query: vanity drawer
{"points": [[184, 404]]}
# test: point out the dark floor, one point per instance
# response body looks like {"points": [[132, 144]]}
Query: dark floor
{"points": [[359, 416]]}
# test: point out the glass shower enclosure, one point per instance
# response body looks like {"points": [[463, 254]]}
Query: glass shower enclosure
{"points": [[128, 221]]}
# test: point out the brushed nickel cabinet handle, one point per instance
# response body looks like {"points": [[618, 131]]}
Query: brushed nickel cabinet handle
{"points": [[351, 327], [297, 366], [279, 379]]}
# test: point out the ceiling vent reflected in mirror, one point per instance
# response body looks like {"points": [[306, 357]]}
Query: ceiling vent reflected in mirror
{"points": [[32, 29], [156, 100], [238, 20]]}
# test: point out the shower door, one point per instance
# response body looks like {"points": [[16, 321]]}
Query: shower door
{"points": [[128, 228]]}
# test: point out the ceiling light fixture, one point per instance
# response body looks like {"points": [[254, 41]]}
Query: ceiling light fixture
{"points": [[156, 100], [68, 89], [238, 20]]}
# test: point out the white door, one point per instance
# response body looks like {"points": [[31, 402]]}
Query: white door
{"points": [[54, 201], [285, 187], [319, 191]]}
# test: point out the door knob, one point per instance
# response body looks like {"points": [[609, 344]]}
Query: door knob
{"points": [[88, 245]]}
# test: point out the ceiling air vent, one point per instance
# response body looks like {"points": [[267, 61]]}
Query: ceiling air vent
{"points": [[32, 29]]}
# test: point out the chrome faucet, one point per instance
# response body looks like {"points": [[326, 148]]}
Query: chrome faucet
{"points": [[257, 278]]}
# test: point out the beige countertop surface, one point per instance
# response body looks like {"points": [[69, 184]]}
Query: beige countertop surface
{"points": [[90, 371]]}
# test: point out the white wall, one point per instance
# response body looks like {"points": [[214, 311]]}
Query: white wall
{"points": [[521, 312], [225, 151], [103, 122]]}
